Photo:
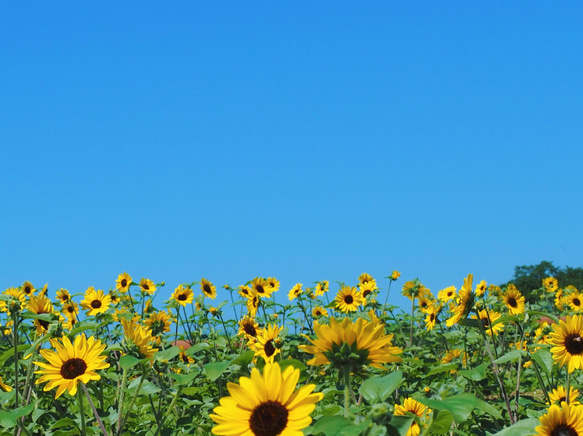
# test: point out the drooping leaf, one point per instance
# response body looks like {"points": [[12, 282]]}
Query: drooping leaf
{"points": [[378, 389]]}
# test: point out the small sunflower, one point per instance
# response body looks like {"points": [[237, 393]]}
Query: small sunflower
{"points": [[123, 282], [575, 300], [40, 304], [268, 343], [140, 337], [63, 296], [208, 289], [261, 287], [147, 286], [266, 404], [567, 342], [367, 288], [249, 328], [4, 387], [550, 284], [183, 295], [159, 323], [481, 288], [465, 302], [185, 358], [245, 291], [322, 287], [71, 363], [411, 289], [395, 275], [514, 300], [559, 395], [273, 283], [253, 304], [488, 318], [319, 311], [28, 289], [352, 344], [295, 292], [413, 406], [563, 420], [95, 301], [349, 299], [431, 318]]}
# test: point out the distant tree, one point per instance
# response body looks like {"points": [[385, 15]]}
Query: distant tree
{"points": [[529, 278]]}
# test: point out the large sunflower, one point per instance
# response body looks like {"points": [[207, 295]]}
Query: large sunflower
{"points": [[514, 300], [413, 406], [366, 344], [40, 304], [348, 299], [268, 344], [71, 363], [266, 405], [566, 420], [567, 342], [95, 301], [183, 295], [208, 289]]}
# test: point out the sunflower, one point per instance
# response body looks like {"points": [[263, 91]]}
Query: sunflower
{"points": [[425, 302], [322, 287], [266, 405], [395, 275], [183, 295], [63, 296], [71, 363], [351, 344], [514, 300], [253, 304], [550, 284], [465, 302], [455, 355], [295, 292], [261, 287], [4, 386], [413, 406], [123, 282], [18, 302], [28, 289], [185, 358], [563, 420], [245, 291], [367, 288], [488, 318], [158, 323], [273, 283], [560, 299], [575, 300], [567, 342], [411, 289], [348, 299], [559, 395], [249, 328], [431, 317], [481, 288], [147, 286], [208, 289], [140, 337], [40, 304], [319, 311], [268, 343], [95, 301]]}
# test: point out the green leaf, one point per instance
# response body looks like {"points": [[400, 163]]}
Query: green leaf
{"points": [[443, 368], [10, 353], [338, 426], [399, 425], [441, 422], [127, 362], [478, 373], [8, 419], [524, 427], [460, 406], [83, 326], [183, 379], [283, 364], [548, 315], [215, 369], [196, 348], [378, 389], [47, 317], [543, 359], [167, 354], [511, 356], [470, 322], [63, 422], [244, 359], [506, 318]]}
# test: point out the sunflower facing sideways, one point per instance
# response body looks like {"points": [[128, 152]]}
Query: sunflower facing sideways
{"points": [[567, 342], [349, 299], [139, 338], [563, 420], [266, 404], [147, 286], [40, 304], [71, 363], [208, 289], [488, 318], [249, 329]]}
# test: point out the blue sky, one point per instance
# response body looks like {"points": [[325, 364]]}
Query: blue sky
{"points": [[305, 141]]}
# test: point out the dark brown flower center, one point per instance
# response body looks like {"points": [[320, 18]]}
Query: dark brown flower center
{"points": [[348, 299], [124, 283], [96, 304], [184, 358], [269, 348], [260, 289], [365, 292], [73, 368], [512, 302], [268, 419], [70, 309], [207, 289], [564, 430], [574, 344], [44, 324], [145, 287], [250, 330], [432, 317], [27, 289], [182, 297], [576, 302], [486, 322]]}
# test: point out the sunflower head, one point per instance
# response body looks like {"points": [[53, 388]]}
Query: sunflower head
{"points": [[183, 295], [563, 420], [208, 289], [567, 342], [349, 299], [123, 282], [147, 286]]}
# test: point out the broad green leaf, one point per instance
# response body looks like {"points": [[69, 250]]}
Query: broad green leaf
{"points": [[128, 362], [544, 359], [293, 363], [524, 427], [506, 318], [63, 422], [470, 322], [399, 425], [548, 315], [511, 356], [338, 426], [10, 353], [183, 379], [83, 326], [441, 422], [167, 354], [460, 406], [8, 419], [244, 358], [443, 368], [215, 369], [196, 348], [478, 373], [378, 389]]}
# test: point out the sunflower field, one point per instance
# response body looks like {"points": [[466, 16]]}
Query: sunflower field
{"points": [[478, 360]]}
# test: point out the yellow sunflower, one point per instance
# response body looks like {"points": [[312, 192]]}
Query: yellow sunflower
{"points": [[411, 289], [575, 300], [140, 337], [567, 342], [183, 295], [550, 284], [353, 344], [514, 300], [488, 318], [123, 282], [261, 287], [367, 288], [63, 296], [40, 304], [249, 329], [563, 420], [252, 304], [348, 299], [266, 405], [147, 286], [465, 302], [71, 363], [28, 289], [431, 318], [245, 291], [4, 387], [95, 301], [481, 288], [413, 406], [559, 395], [273, 283], [18, 301], [322, 287], [395, 275], [319, 311], [268, 344], [208, 289], [295, 292], [158, 323]]}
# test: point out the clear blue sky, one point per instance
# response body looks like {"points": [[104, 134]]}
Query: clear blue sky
{"points": [[305, 141]]}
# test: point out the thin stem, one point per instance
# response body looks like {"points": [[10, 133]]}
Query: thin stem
{"points": [[121, 395], [568, 387], [81, 412], [346, 391], [388, 290], [132, 402], [412, 313], [15, 321], [99, 421]]}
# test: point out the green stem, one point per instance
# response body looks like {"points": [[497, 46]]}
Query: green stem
{"points": [[99, 421], [81, 412], [388, 290], [568, 387], [412, 313], [346, 391], [120, 402], [132, 402], [15, 321]]}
